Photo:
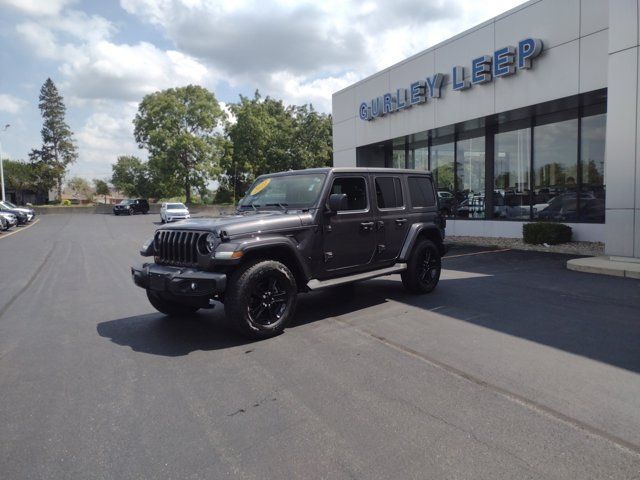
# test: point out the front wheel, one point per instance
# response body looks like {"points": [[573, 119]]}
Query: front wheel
{"points": [[168, 307], [261, 298], [423, 268]]}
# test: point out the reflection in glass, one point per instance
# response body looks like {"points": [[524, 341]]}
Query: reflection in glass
{"points": [[592, 195], [555, 163], [511, 174], [442, 166], [419, 158], [398, 158], [470, 172]]}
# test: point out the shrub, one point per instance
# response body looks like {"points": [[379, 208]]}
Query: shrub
{"points": [[66, 203], [546, 232]]}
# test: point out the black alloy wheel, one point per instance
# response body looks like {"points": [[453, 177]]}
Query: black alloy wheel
{"points": [[268, 300], [260, 299], [423, 268]]}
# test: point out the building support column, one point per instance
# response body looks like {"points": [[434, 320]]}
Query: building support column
{"points": [[622, 164]]}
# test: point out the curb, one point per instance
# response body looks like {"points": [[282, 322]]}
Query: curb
{"points": [[605, 266]]}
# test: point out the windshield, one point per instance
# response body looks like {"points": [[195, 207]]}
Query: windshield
{"points": [[290, 191], [9, 204], [176, 206], [126, 202]]}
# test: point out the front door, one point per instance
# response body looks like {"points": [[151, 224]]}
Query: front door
{"points": [[349, 235], [391, 216]]}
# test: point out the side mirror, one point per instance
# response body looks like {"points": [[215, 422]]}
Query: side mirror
{"points": [[338, 202]]}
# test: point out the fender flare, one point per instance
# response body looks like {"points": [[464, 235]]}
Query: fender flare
{"points": [[412, 235], [264, 242]]}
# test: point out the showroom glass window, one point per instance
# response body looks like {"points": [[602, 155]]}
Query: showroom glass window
{"points": [[592, 193], [470, 157], [442, 166], [555, 166], [398, 158], [419, 151], [512, 176]]}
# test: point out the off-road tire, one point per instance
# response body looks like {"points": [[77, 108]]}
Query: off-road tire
{"points": [[168, 307], [242, 297], [425, 255]]}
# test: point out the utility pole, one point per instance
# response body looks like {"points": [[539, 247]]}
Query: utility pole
{"points": [[1, 169]]}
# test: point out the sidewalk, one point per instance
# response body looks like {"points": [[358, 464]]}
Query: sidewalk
{"points": [[603, 265]]}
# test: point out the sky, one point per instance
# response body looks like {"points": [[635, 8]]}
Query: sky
{"points": [[104, 56]]}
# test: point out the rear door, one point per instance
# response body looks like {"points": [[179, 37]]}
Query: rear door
{"points": [[349, 236], [422, 199], [391, 219]]}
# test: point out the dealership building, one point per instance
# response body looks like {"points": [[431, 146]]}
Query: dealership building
{"points": [[532, 115]]}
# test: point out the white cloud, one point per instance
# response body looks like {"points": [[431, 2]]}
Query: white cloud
{"points": [[37, 7], [107, 70], [11, 104], [106, 134]]}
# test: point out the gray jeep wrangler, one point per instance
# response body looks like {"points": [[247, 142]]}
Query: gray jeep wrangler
{"points": [[295, 232]]}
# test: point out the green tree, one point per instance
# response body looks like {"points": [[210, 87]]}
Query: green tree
{"points": [[269, 137], [102, 188], [80, 187], [130, 175], [19, 176], [58, 150], [178, 127]]}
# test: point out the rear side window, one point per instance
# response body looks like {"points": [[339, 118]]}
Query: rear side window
{"points": [[421, 191], [389, 192], [356, 190]]}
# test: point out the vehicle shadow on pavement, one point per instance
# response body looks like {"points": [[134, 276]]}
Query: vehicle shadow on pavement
{"points": [[526, 295], [158, 334], [580, 325]]}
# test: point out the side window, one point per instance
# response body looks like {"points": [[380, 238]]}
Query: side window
{"points": [[389, 192], [421, 191], [356, 190]]}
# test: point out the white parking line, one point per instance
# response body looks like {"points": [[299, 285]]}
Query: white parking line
{"points": [[477, 253], [5, 235]]}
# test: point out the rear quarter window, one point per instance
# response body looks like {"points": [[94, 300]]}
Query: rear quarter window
{"points": [[421, 192]]}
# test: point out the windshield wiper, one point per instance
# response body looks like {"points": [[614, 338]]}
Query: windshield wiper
{"points": [[252, 205], [283, 206]]}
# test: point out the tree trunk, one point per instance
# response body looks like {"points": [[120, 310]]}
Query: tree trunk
{"points": [[60, 189], [187, 191]]}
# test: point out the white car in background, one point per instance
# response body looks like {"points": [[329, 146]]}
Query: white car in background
{"points": [[10, 220], [170, 212]]}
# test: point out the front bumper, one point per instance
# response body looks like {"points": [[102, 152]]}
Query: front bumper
{"points": [[177, 218], [178, 281]]}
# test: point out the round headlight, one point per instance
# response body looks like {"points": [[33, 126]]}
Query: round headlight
{"points": [[212, 242]]}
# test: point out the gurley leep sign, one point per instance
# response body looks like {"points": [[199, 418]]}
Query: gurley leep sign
{"points": [[504, 61]]}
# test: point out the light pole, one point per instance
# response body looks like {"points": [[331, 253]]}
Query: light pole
{"points": [[1, 169]]}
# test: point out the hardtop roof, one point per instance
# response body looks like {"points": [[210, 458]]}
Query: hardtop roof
{"points": [[326, 170]]}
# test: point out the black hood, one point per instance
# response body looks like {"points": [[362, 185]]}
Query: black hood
{"points": [[246, 223]]}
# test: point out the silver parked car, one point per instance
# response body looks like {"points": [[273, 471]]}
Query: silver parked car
{"points": [[8, 220]]}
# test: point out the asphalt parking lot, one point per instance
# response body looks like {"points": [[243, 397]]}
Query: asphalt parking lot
{"points": [[513, 368]]}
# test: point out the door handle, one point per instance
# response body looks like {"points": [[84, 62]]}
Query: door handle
{"points": [[366, 226], [400, 221]]}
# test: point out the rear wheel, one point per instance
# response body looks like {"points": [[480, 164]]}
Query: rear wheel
{"points": [[169, 307], [423, 268], [261, 298]]}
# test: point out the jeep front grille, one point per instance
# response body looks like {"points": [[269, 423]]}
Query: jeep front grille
{"points": [[177, 247]]}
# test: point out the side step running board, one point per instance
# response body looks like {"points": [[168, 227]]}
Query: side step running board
{"points": [[318, 284]]}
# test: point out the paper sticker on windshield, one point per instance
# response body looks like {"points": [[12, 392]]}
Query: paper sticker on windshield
{"points": [[261, 186]]}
